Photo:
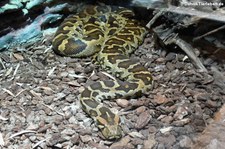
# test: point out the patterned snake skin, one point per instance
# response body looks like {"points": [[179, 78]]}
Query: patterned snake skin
{"points": [[109, 32]]}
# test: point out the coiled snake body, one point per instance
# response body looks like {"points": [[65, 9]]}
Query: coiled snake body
{"points": [[108, 31]]}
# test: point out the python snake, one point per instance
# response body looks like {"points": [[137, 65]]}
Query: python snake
{"points": [[110, 32]]}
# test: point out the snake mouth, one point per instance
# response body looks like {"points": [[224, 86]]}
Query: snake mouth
{"points": [[112, 132]]}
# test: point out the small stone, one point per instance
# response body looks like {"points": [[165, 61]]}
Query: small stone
{"points": [[72, 120], [212, 104], [186, 142], [88, 69], [74, 83], [18, 56], [85, 138], [160, 99], [160, 60], [122, 102], [137, 141], [181, 112], [55, 139], [140, 110], [170, 66], [135, 134], [166, 129], [68, 131], [182, 122], [202, 96], [152, 129], [167, 140], [170, 56], [32, 138], [143, 120], [63, 74], [167, 119], [150, 143], [59, 96], [121, 144]]}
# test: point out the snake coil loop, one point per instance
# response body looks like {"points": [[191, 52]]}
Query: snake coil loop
{"points": [[109, 31]]}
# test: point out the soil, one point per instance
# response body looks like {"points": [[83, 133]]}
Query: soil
{"points": [[39, 93]]}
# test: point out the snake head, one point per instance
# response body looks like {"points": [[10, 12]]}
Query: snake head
{"points": [[112, 132], [109, 127]]}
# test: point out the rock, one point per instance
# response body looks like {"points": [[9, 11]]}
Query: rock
{"points": [[55, 139], [212, 104], [122, 102], [143, 120], [68, 131], [181, 113], [75, 139], [186, 142], [121, 144], [85, 138], [167, 140], [166, 129], [150, 143], [167, 119], [202, 96], [170, 66], [63, 74], [182, 122], [160, 99], [140, 110], [137, 141], [136, 134]]}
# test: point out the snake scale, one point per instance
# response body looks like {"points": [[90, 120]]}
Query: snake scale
{"points": [[110, 32]]}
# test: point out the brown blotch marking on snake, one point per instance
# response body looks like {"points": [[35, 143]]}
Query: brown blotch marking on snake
{"points": [[127, 86], [93, 113], [58, 41], [126, 37], [90, 27], [136, 31], [94, 94], [118, 50], [137, 68], [86, 93], [108, 83], [94, 35], [112, 58], [75, 47], [112, 31], [115, 41], [98, 86], [107, 115], [67, 23], [127, 63], [146, 78], [125, 12], [91, 103], [113, 22]]}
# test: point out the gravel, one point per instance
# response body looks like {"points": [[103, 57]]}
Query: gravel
{"points": [[40, 107]]}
